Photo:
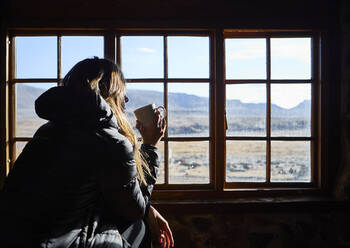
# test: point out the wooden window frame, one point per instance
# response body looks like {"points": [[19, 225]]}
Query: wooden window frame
{"points": [[218, 188], [314, 81], [165, 80]]}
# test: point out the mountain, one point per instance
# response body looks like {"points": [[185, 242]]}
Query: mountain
{"points": [[177, 103]]}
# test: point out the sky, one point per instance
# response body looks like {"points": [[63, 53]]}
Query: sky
{"points": [[188, 57]]}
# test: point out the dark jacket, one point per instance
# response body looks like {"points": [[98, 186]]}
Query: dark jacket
{"points": [[77, 172]]}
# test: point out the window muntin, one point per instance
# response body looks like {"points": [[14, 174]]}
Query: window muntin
{"points": [[263, 146]]}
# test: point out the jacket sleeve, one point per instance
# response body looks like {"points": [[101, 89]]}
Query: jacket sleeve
{"points": [[122, 194], [151, 156]]}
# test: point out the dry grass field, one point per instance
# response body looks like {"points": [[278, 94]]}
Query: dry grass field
{"points": [[245, 160]]}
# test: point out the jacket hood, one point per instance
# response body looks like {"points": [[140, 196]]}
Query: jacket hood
{"points": [[63, 105]]}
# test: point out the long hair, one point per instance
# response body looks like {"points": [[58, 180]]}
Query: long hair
{"points": [[106, 79]]}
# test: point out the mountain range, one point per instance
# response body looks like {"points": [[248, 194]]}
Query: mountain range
{"points": [[177, 103]]}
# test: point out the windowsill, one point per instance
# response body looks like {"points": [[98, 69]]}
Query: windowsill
{"points": [[253, 204]]}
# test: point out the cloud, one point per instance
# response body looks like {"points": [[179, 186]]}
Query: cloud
{"points": [[292, 50], [146, 50], [202, 58], [247, 51]]}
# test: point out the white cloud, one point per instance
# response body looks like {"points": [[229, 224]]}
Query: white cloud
{"points": [[248, 53], [293, 48], [243, 49], [202, 58], [146, 50]]}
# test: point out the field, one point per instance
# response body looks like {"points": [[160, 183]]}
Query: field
{"points": [[245, 160]]}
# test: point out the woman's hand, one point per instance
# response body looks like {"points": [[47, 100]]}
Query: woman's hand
{"points": [[160, 232], [152, 134]]}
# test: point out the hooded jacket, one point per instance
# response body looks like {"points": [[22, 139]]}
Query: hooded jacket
{"points": [[77, 172]]}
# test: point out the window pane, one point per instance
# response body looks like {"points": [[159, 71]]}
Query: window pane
{"points": [[188, 57], [27, 120], [290, 161], [141, 94], [142, 57], [19, 148], [291, 109], [189, 162], [77, 48], [36, 57], [246, 109], [245, 161], [245, 58], [291, 58], [188, 109]]}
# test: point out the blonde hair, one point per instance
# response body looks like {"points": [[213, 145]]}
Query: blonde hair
{"points": [[105, 78]]}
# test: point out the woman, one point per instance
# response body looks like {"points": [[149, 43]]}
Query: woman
{"points": [[81, 181]]}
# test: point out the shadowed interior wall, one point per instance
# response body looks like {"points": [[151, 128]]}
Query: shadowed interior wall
{"points": [[255, 230], [342, 188]]}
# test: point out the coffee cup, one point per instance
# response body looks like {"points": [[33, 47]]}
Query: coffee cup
{"points": [[147, 114]]}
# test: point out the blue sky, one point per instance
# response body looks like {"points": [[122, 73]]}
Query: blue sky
{"points": [[188, 57]]}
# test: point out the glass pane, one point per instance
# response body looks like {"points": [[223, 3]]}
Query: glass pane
{"points": [[290, 161], [141, 94], [245, 161], [291, 109], [291, 58], [245, 58], [188, 109], [77, 48], [19, 148], [142, 57], [36, 57], [246, 109], [27, 120], [188, 57], [189, 162]]}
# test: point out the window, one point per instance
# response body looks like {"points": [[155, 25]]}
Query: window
{"points": [[242, 106], [173, 71], [40, 62], [268, 85]]}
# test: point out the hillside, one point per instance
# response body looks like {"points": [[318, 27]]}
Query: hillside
{"points": [[178, 103]]}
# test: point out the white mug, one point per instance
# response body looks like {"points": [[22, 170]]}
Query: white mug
{"points": [[147, 114]]}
